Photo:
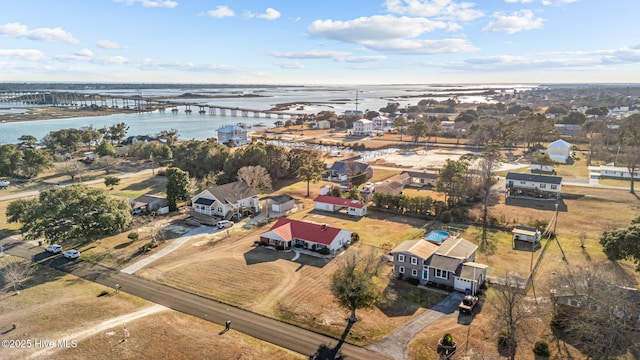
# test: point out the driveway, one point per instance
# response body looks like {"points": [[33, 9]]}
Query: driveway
{"points": [[174, 245], [395, 344]]}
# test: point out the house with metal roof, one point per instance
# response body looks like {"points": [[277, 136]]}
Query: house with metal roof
{"points": [[525, 233], [559, 151], [534, 186], [232, 200], [232, 135], [288, 233]]}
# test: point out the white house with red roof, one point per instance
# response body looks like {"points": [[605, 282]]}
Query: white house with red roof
{"points": [[306, 234], [334, 204]]}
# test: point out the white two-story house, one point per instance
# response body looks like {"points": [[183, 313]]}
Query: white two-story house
{"points": [[363, 127], [232, 135], [535, 186]]}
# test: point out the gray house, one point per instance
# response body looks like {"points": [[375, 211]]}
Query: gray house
{"points": [[233, 200], [409, 257], [452, 264], [345, 170]]}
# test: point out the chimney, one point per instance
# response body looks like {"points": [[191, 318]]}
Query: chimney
{"points": [[323, 227]]}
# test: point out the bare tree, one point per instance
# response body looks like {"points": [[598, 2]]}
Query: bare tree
{"points": [[15, 271], [72, 168], [512, 312], [106, 163], [156, 231], [590, 302], [489, 161], [256, 177]]}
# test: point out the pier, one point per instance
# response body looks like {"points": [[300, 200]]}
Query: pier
{"points": [[139, 103]]}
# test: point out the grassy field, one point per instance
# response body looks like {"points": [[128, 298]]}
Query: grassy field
{"points": [[55, 305]]}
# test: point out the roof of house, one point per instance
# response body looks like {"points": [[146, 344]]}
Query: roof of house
{"points": [[204, 201], [525, 230], [233, 192], [560, 143], [420, 174], [443, 262], [470, 269], [401, 178], [231, 129], [421, 248], [280, 199], [147, 199], [456, 248], [535, 178], [287, 229], [338, 201], [389, 187], [342, 167], [363, 121]]}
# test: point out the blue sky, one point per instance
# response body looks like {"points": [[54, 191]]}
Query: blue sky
{"points": [[320, 42]]}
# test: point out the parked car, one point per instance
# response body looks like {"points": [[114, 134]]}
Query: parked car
{"points": [[4, 184], [54, 248], [71, 254], [224, 224]]}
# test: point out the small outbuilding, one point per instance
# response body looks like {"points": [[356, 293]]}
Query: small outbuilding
{"points": [[524, 233], [150, 203], [281, 203], [559, 151], [335, 204]]}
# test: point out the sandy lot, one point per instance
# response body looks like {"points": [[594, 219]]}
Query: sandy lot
{"points": [[428, 159]]}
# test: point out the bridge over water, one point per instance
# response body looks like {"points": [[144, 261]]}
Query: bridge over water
{"points": [[78, 100]]}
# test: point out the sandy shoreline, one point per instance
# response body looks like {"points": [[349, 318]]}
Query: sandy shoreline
{"points": [[54, 112]]}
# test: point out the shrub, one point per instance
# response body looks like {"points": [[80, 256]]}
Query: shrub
{"points": [[447, 340], [446, 217], [504, 339], [541, 348], [324, 251], [279, 247], [413, 281], [133, 235], [355, 238], [298, 245]]}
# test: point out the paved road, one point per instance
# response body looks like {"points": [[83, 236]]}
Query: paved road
{"points": [[287, 336]]}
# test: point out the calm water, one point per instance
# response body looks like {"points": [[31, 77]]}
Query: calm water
{"points": [[200, 127]]}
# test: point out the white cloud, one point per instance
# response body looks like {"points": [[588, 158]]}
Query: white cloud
{"points": [[151, 3], [339, 56], [18, 30], [441, 9], [514, 22], [519, 1], [557, 2], [25, 54], [379, 27], [269, 14], [108, 44], [290, 65], [221, 11], [84, 52], [425, 47]]}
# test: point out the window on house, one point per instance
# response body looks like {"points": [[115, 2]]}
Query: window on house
{"points": [[523, 182], [400, 258], [554, 187], [414, 272], [401, 269], [414, 261], [442, 274], [543, 186]]}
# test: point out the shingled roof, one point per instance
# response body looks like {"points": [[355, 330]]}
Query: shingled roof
{"points": [[233, 192]]}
